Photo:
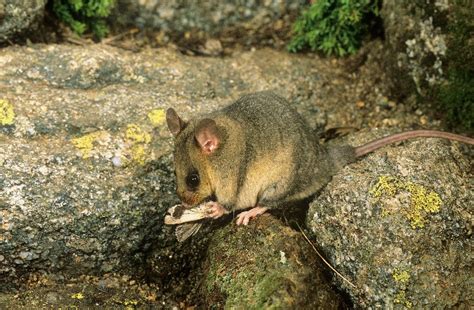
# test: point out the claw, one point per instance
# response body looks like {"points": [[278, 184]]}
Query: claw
{"points": [[215, 210], [243, 218]]}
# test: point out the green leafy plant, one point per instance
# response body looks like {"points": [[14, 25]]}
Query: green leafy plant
{"points": [[84, 15], [333, 26]]}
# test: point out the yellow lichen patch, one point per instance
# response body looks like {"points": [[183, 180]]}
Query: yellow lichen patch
{"points": [[77, 296], [138, 154], [400, 298], [136, 135], [7, 115], [429, 202], [156, 117], [86, 143], [422, 201], [401, 276], [128, 302], [384, 186], [138, 140]]}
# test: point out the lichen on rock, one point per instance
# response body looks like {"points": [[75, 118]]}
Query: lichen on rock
{"points": [[156, 117], [7, 114], [85, 144], [138, 142], [20, 17], [135, 134], [429, 53], [422, 202], [429, 43], [397, 223]]}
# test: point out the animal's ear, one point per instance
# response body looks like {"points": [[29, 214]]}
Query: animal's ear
{"points": [[207, 135], [175, 123]]}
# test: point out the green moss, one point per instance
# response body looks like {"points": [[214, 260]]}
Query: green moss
{"points": [[235, 285], [246, 269], [84, 15], [422, 201], [265, 285], [456, 96], [457, 99], [332, 26]]}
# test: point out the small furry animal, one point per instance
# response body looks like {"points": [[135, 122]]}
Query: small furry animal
{"points": [[258, 153]]}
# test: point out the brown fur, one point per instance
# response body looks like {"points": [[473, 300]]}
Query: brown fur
{"points": [[266, 154], [259, 151]]}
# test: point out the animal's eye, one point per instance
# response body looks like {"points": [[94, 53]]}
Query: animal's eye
{"points": [[192, 180]]}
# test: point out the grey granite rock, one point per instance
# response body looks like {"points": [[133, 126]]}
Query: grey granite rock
{"points": [[179, 18], [86, 172], [19, 16], [398, 224], [422, 43], [265, 265]]}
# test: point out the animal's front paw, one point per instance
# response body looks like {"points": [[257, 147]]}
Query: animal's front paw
{"points": [[215, 209], [243, 218]]}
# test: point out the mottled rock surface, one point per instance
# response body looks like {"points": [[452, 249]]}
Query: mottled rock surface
{"points": [[199, 20], [86, 173], [416, 43], [398, 224], [423, 46], [86, 292], [265, 265], [19, 16]]}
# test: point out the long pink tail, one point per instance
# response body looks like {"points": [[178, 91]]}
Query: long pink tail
{"points": [[376, 144]]}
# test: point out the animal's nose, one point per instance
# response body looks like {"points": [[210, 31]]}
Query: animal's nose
{"points": [[181, 195], [186, 197]]}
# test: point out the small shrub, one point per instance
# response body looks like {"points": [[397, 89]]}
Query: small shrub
{"points": [[333, 26], [84, 15]]}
